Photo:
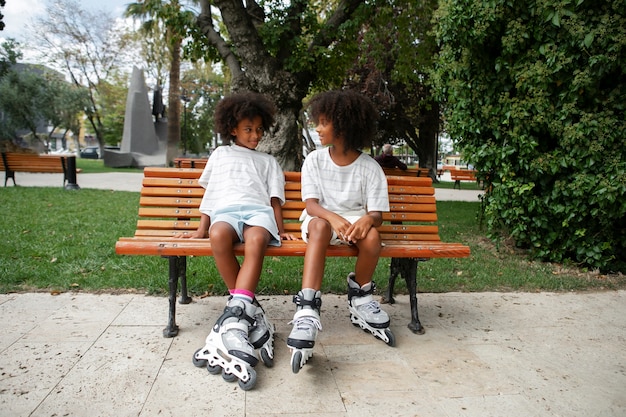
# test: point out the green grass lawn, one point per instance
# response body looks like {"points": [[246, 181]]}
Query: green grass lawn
{"points": [[58, 240]]}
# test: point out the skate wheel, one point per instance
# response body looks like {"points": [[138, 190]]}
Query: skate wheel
{"points": [[296, 360], [250, 383], [213, 369], [199, 363], [391, 337], [228, 377], [268, 361]]}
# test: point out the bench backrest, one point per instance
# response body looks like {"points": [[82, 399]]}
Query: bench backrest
{"points": [[190, 162], [27, 162], [409, 172], [463, 174], [170, 198]]}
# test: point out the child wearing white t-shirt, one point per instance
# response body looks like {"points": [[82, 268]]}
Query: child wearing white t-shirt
{"points": [[242, 203], [345, 192]]}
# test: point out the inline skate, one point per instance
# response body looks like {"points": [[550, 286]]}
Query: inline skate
{"points": [[227, 348], [365, 312], [306, 323], [261, 335]]}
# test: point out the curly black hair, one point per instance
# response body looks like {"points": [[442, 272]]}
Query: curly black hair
{"points": [[239, 106], [352, 114]]}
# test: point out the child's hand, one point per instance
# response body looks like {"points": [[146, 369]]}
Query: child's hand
{"points": [[287, 236], [359, 229], [341, 226], [196, 234]]}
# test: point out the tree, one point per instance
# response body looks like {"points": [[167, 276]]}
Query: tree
{"points": [[32, 97], [170, 17], [2, 4], [282, 50], [87, 46], [202, 90], [534, 96], [396, 52]]}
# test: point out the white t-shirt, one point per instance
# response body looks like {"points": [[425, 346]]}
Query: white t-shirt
{"points": [[235, 175], [352, 189]]}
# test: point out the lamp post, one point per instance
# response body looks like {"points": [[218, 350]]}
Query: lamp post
{"points": [[186, 99]]}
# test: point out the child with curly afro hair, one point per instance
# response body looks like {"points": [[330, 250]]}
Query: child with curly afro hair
{"points": [[245, 190], [345, 193]]}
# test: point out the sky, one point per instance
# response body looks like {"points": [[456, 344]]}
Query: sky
{"points": [[19, 13]]}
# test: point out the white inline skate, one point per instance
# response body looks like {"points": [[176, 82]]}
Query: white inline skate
{"points": [[306, 323], [227, 348], [261, 335], [365, 312]]}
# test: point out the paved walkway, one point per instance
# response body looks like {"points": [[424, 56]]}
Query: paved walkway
{"points": [[483, 354]]}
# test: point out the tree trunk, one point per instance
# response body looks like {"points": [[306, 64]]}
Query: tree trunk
{"points": [[428, 130], [173, 108]]}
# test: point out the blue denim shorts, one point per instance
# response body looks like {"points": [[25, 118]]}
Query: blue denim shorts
{"points": [[248, 215]]}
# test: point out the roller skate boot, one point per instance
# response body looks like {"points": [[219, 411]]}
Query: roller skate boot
{"points": [[261, 335], [227, 348], [306, 323], [365, 312]]}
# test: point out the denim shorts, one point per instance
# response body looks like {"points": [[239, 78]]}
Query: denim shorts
{"points": [[248, 215]]}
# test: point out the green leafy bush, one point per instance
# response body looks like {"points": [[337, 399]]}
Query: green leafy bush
{"points": [[534, 96]]}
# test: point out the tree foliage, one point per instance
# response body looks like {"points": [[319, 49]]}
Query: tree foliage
{"points": [[87, 46], [534, 95], [395, 54]]}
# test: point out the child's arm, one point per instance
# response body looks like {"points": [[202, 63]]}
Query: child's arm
{"points": [[202, 232], [278, 215]]}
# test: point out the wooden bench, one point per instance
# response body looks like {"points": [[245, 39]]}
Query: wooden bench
{"points": [[13, 162], [190, 162], [169, 203], [458, 175], [410, 172]]}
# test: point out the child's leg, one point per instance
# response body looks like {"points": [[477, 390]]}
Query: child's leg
{"points": [[319, 234], [366, 261], [223, 237], [256, 240]]}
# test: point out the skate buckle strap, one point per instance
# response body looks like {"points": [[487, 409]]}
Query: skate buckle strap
{"points": [[359, 292], [316, 302], [366, 302]]}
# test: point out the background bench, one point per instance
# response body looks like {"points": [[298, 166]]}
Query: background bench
{"points": [[169, 203], [411, 172], [190, 162], [458, 175], [13, 162]]}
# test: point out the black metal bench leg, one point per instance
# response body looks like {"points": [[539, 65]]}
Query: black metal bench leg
{"points": [[172, 329], [394, 271], [182, 270], [408, 271]]}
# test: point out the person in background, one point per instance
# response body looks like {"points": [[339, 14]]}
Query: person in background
{"points": [[387, 160]]}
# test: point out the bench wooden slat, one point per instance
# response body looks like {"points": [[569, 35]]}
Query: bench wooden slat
{"points": [[198, 247]]}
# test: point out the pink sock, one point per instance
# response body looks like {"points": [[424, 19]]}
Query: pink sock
{"points": [[243, 294]]}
